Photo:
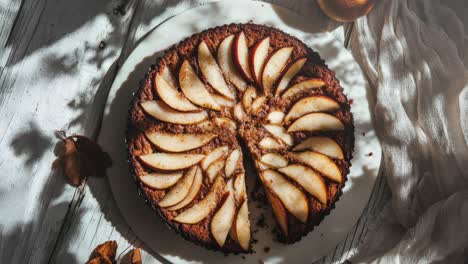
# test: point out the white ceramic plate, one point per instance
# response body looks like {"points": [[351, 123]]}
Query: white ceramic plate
{"points": [[146, 224]]}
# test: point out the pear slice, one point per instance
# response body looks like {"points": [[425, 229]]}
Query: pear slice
{"points": [[243, 226], [275, 117], [240, 192], [222, 101], [308, 179], [269, 143], [227, 65], [161, 111], [292, 198], [263, 166], [293, 69], [170, 161], [320, 163], [280, 133], [316, 122], [206, 125], [241, 55], [171, 96], [239, 113], [226, 122], [205, 206], [211, 71], [214, 155], [274, 67], [215, 168], [323, 145], [194, 89], [312, 104], [194, 190], [279, 211], [223, 218], [178, 142], [169, 77], [160, 180], [258, 56], [232, 162], [274, 160], [258, 103], [248, 97], [303, 86], [180, 190]]}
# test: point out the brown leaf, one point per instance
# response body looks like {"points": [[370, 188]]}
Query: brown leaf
{"points": [[80, 157], [135, 256], [72, 163], [105, 250], [99, 260]]}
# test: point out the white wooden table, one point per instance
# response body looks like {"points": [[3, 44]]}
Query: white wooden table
{"points": [[57, 62]]}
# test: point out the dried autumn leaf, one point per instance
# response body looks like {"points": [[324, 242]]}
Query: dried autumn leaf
{"points": [[80, 157], [99, 260], [107, 249], [133, 257]]}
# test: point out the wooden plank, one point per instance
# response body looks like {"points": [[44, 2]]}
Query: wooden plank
{"points": [[52, 67]]}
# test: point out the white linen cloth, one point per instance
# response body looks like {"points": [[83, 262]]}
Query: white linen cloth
{"points": [[415, 56]]}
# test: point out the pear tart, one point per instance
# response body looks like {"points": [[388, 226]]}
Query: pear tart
{"points": [[230, 93]]}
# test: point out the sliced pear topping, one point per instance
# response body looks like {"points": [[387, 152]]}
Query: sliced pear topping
{"points": [[303, 86], [223, 218], [274, 67], [320, 163], [211, 71], [170, 161], [323, 145], [226, 63], [194, 89], [269, 143], [222, 101], [279, 211], [213, 155], [205, 206], [308, 179], [178, 142], [180, 190], [215, 168], [275, 117], [258, 103], [171, 96], [226, 122], [160, 180], [169, 77], [232, 162], [262, 166], [316, 122], [312, 104], [293, 69], [280, 133], [258, 56], [194, 190], [243, 226], [292, 198], [206, 125], [161, 111], [274, 160], [248, 97], [239, 188], [241, 55], [239, 113]]}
